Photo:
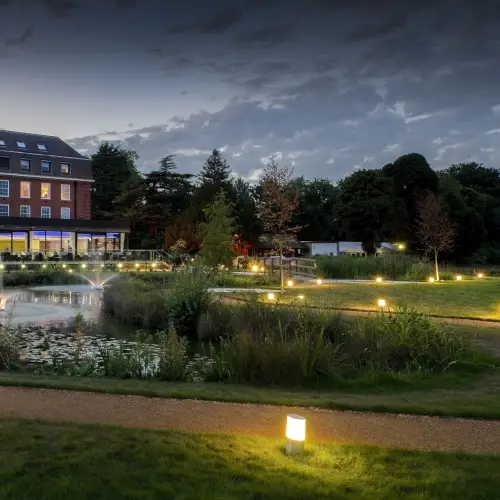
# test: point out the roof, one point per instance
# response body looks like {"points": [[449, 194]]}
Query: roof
{"points": [[355, 246], [54, 145]]}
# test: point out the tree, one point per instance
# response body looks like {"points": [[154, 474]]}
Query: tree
{"points": [[369, 211], [247, 225], [277, 205], [434, 228], [215, 170], [115, 174], [217, 233], [476, 176]]}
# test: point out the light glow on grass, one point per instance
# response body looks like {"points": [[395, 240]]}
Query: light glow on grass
{"points": [[381, 302]]}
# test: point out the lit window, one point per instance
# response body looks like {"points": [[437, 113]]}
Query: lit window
{"points": [[65, 169], [25, 211], [25, 165], [45, 191], [46, 167], [21, 145], [4, 210], [25, 189], [65, 192], [65, 213], [45, 212], [41, 147], [2, 143], [4, 189]]}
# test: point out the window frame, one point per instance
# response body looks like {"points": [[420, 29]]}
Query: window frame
{"points": [[21, 190], [49, 163], [69, 192], [3, 144], [49, 191], [42, 209], [8, 188], [69, 168], [29, 165], [8, 209], [69, 213], [21, 145], [41, 147], [21, 211]]}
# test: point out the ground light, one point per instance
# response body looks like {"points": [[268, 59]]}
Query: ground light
{"points": [[84, 266], [136, 264], [431, 279], [102, 265], [459, 278], [262, 269], [289, 283], [64, 266], [255, 268], [120, 265], [401, 246], [23, 266], [378, 279], [44, 265], [480, 275], [301, 297], [381, 303], [70, 270], [295, 434], [270, 296], [1, 266], [153, 264], [319, 281]]}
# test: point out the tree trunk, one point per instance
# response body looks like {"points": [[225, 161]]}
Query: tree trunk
{"points": [[281, 269], [436, 265]]}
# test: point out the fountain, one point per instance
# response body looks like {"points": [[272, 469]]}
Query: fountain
{"points": [[96, 280]]}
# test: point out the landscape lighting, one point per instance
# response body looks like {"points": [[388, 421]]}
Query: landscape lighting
{"points": [[23, 266], [459, 278], [255, 268], [381, 302], [319, 281], [431, 279], [270, 296], [301, 297], [153, 264], [1, 266], [480, 275], [289, 283], [401, 246], [295, 434], [84, 266], [120, 265], [378, 279], [136, 264]]}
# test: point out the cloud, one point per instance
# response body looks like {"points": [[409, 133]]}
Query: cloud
{"points": [[493, 131], [192, 152], [125, 4], [392, 148], [60, 8], [267, 36], [496, 109], [22, 39], [217, 23]]}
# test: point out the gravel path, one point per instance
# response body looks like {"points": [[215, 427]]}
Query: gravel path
{"points": [[400, 431]]}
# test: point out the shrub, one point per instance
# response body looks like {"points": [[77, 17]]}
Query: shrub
{"points": [[419, 271], [10, 347], [391, 266]]}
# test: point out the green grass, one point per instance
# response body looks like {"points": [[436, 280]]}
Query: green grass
{"points": [[466, 395], [50, 461], [468, 298]]}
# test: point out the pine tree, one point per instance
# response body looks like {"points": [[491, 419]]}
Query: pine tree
{"points": [[215, 170]]}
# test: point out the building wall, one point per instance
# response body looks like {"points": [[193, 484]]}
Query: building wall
{"points": [[79, 203]]}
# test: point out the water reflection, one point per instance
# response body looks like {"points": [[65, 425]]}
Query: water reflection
{"points": [[78, 300]]}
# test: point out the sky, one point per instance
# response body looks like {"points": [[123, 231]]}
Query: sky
{"points": [[330, 86]]}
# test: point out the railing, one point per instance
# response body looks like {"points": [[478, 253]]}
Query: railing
{"points": [[293, 266]]}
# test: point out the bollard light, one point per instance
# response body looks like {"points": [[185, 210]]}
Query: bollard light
{"points": [[319, 281], [301, 297], [480, 275], [381, 303], [295, 434], [136, 264], [64, 266], [84, 266], [270, 296], [44, 265], [102, 265], [255, 268], [431, 279], [120, 265], [1, 266], [289, 283], [262, 269], [378, 279], [459, 278], [23, 266], [70, 270], [153, 264]]}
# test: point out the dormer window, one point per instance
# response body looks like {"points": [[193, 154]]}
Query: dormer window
{"points": [[41, 147], [2, 143], [21, 145]]}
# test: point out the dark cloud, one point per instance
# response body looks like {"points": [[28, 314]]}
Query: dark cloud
{"points": [[22, 39], [267, 36], [125, 4], [61, 8], [218, 23]]}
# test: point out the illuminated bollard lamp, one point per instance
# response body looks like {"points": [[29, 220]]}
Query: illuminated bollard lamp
{"points": [[295, 434]]}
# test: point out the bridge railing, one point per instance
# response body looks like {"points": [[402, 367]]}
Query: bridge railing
{"points": [[292, 265]]}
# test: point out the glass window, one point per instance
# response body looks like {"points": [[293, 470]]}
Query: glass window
{"points": [[65, 169], [66, 192], [25, 189], [45, 212], [45, 191], [2, 143], [65, 213], [21, 145], [4, 188], [25, 211], [25, 165], [4, 162], [42, 147], [4, 210], [46, 167]]}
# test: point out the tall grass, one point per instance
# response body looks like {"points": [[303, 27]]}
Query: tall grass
{"points": [[391, 266]]}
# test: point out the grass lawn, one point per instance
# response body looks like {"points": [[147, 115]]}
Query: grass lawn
{"points": [[467, 298], [468, 394], [50, 461]]}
